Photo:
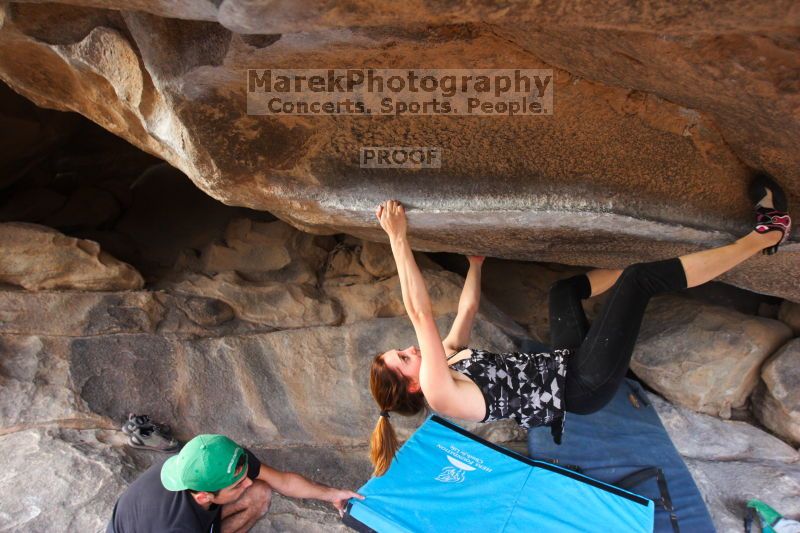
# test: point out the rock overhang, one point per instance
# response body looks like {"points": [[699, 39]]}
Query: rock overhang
{"points": [[645, 156]]}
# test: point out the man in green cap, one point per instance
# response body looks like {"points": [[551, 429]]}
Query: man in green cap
{"points": [[212, 486]]}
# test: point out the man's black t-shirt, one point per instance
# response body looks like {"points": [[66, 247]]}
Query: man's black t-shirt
{"points": [[147, 507]]}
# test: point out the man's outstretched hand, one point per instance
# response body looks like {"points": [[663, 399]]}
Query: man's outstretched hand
{"points": [[339, 497]]}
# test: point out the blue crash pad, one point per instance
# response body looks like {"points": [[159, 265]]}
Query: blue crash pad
{"points": [[621, 439], [446, 479]]}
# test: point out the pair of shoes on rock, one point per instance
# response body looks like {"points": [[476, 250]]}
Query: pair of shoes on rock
{"points": [[775, 218], [145, 434]]}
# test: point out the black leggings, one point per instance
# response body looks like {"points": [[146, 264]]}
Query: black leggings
{"points": [[601, 353]]}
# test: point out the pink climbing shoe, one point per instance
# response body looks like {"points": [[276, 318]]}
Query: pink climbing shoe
{"points": [[770, 218]]}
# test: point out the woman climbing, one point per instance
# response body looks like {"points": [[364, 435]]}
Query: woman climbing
{"points": [[587, 365]]}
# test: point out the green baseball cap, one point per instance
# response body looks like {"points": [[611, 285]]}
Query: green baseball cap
{"points": [[207, 463]]}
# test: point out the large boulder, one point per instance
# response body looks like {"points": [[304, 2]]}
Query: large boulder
{"points": [[251, 247], [267, 273], [36, 387], [521, 290], [362, 278], [281, 356], [789, 313], [75, 314], [290, 387], [702, 356], [776, 401], [60, 480], [733, 462], [709, 438], [281, 305], [650, 113], [36, 257]]}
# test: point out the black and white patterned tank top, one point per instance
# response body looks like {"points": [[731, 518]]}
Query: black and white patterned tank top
{"points": [[526, 387]]}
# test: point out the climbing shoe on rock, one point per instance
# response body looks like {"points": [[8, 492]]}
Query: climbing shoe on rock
{"points": [[771, 209], [152, 438], [142, 421]]}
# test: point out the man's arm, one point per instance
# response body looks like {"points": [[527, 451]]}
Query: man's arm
{"points": [[296, 486], [467, 307]]}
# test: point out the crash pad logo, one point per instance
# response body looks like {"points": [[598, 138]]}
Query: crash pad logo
{"points": [[455, 473], [461, 462]]}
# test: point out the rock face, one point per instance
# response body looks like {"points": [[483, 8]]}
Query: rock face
{"points": [[60, 480], [522, 290], [637, 132], [270, 350], [777, 399], [790, 314], [701, 356], [732, 462], [36, 387], [36, 257]]}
